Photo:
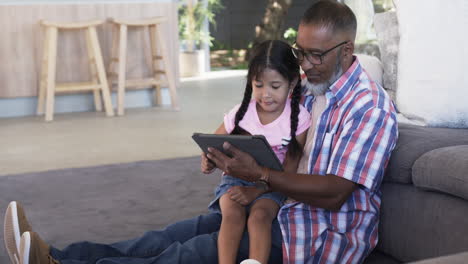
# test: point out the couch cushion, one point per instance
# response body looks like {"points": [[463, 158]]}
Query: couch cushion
{"points": [[432, 82], [443, 169], [377, 257], [460, 258], [417, 224], [413, 142], [372, 66]]}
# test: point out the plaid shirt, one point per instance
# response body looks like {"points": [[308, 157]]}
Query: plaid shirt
{"points": [[354, 137]]}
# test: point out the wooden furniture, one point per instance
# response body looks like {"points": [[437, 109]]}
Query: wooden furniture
{"points": [[48, 85], [22, 38], [162, 70]]}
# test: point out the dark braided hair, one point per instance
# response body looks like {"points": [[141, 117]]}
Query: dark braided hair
{"points": [[275, 55]]}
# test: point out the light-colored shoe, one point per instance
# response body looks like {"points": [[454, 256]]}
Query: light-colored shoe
{"points": [[250, 261], [33, 250], [14, 226]]}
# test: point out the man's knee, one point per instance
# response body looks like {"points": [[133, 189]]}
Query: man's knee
{"points": [[188, 228]]}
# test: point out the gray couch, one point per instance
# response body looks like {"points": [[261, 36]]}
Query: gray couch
{"points": [[424, 212]]}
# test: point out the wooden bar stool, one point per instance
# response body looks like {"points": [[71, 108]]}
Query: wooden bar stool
{"points": [[48, 86], [119, 56]]}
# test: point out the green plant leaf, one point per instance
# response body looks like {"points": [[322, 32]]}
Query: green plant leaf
{"points": [[191, 22]]}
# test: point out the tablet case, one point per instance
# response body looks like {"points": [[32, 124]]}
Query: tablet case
{"points": [[257, 146]]}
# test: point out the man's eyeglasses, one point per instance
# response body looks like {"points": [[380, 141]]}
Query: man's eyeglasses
{"points": [[315, 58]]}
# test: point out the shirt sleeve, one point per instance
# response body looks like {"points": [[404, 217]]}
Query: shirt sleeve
{"points": [[363, 148], [303, 120], [229, 118]]}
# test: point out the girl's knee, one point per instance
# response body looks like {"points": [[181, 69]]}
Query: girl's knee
{"points": [[261, 215], [234, 214], [231, 210]]}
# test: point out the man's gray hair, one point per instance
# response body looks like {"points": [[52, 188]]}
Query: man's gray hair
{"points": [[336, 16]]}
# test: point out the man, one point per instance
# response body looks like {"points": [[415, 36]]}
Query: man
{"points": [[333, 209]]}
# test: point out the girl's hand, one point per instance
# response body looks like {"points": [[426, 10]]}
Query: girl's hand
{"points": [[244, 195], [207, 166]]}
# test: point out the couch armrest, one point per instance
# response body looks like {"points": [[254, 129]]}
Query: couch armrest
{"points": [[459, 258]]}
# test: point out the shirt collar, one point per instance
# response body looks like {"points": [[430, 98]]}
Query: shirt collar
{"points": [[341, 86]]}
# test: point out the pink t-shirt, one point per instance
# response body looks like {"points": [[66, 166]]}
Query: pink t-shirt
{"points": [[277, 133]]}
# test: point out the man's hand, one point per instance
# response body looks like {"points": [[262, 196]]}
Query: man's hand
{"points": [[244, 195], [207, 166], [241, 165]]}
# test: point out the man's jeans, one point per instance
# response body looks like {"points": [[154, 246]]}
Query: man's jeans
{"points": [[189, 241]]}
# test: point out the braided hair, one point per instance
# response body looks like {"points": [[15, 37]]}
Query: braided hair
{"points": [[275, 55]]}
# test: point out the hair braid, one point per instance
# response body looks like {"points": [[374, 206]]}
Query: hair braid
{"points": [[294, 150], [242, 109]]}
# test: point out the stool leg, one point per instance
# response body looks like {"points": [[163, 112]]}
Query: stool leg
{"points": [[148, 50], [157, 94], [155, 64], [101, 71], [111, 73], [167, 68], [122, 69], [43, 77], [93, 72], [51, 68]]}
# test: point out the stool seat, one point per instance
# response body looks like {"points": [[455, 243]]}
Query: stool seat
{"points": [[74, 25], [141, 22], [160, 62]]}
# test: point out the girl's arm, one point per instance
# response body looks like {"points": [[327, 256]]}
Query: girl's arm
{"points": [[291, 164], [221, 130]]}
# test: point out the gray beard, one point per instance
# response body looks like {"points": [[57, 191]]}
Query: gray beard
{"points": [[317, 89]]}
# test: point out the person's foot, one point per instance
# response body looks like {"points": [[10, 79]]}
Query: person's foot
{"points": [[14, 226], [250, 261], [33, 250]]}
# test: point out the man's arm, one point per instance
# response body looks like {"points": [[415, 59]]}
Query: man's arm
{"points": [[359, 158], [328, 192], [291, 165]]}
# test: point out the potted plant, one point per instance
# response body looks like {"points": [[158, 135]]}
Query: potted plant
{"points": [[194, 33]]}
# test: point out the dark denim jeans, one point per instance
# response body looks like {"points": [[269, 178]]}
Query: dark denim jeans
{"points": [[188, 241]]}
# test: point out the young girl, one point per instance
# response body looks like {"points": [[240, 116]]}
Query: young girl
{"points": [[271, 108]]}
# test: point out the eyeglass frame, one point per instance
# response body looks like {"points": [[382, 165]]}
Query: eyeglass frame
{"points": [[321, 55]]}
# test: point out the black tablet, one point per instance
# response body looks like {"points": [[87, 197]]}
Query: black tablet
{"points": [[257, 146]]}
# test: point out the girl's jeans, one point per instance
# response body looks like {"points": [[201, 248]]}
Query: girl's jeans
{"points": [[188, 241]]}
